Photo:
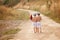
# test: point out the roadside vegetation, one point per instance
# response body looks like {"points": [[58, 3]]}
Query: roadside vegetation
{"points": [[50, 8], [9, 3], [20, 15], [12, 14], [8, 13], [8, 34]]}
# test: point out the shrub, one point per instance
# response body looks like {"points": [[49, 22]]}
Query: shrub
{"points": [[4, 12], [11, 3]]}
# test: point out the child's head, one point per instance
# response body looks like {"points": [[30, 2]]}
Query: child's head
{"points": [[38, 14], [34, 14]]}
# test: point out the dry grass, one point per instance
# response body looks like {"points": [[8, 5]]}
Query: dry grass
{"points": [[8, 34], [20, 15], [4, 12], [10, 31], [12, 14]]}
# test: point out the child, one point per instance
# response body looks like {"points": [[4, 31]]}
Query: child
{"points": [[36, 22], [38, 19]]}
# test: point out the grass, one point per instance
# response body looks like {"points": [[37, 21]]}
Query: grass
{"points": [[35, 8], [53, 16], [20, 15], [10, 33], [12, 14], [7, 38], [4, 12]]}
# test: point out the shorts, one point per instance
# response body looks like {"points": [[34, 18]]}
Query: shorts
{"points": [[37, 24]]}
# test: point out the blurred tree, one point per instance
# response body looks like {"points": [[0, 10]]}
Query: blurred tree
{"points": [[11, 3]]}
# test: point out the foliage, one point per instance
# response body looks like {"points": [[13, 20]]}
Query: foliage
{"points": [[54, 16], [12, 31], [20, 15], [10, 3], [9, 33], [4, 12]]}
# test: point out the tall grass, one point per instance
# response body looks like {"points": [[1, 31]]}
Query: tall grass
{"points": [[20, 15], [53, 16], [12, 14], [10, 31], [8, 34], [4, 12]]}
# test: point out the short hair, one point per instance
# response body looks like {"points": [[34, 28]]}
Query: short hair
{"points": [[38, 14], [34, 14]]}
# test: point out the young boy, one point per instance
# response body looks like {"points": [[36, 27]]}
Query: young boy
{"points": [[36, 22], [38, 19]]}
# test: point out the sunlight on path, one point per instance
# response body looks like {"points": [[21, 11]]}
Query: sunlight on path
{"points": [[49, 29], [27, 33]]}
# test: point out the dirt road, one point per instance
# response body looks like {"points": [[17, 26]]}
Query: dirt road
{"points": [[50, 30]]}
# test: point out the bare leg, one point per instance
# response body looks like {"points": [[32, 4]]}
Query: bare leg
{"points": [[34, 30], [37, 30], [40, 30]]}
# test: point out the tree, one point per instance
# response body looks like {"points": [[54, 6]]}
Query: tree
{"points": [[11, 3]]}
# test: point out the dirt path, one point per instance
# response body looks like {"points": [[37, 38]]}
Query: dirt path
{"points": [[50, 30]]}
